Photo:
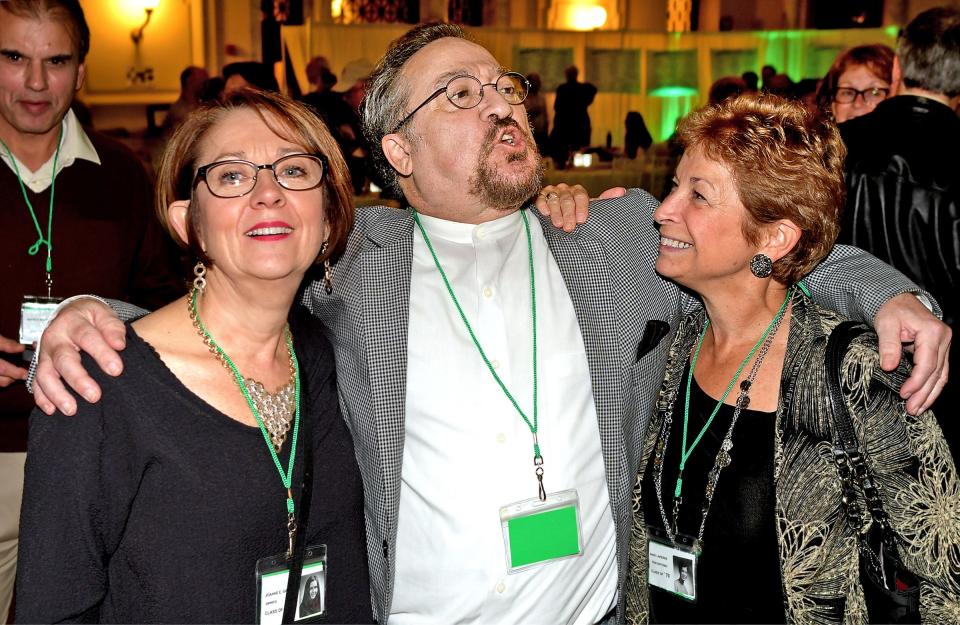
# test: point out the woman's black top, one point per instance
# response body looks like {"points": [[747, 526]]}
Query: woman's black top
{"points": [[153, 506], [739, 579]]}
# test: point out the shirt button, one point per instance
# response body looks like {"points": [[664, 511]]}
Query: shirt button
{"points": [[488, 292], [501, 587], [501, 437], [495, 363], [481, 232]]}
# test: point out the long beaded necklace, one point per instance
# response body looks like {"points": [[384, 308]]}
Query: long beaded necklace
{"points": [[276, 410], [723, 458], [285, 478]]}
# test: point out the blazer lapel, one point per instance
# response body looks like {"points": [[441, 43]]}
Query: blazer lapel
{"points": [[386, 265], [585, 270]]}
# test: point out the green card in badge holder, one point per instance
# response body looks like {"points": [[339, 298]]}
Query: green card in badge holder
{"points": [[539, 531]]}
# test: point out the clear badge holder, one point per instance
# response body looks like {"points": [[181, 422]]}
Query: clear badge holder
{"points": [[672, 567], [272, 573], [35, 313], [536, 532]]}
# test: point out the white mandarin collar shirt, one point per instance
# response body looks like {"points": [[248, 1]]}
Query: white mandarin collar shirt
{"points": [[74, 144], [467, 451]]}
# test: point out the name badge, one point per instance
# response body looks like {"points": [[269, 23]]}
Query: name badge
{"points": [[537, 532], [672, 567], [272, 574], [35, 313]]}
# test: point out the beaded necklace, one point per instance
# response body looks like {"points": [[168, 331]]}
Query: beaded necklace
{"points": [[723, 457], [285, 477]]}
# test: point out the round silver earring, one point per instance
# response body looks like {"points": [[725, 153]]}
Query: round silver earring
{"points": [[761, 266]]}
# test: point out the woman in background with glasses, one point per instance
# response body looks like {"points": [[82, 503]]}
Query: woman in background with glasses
{"points": [[856, 83], [156, 503]]}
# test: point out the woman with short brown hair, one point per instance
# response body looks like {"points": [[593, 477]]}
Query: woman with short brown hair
{"points": [[739, 474], [184, 492]]}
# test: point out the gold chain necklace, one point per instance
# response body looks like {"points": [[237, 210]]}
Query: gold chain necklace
{"points": [[276, 409]]}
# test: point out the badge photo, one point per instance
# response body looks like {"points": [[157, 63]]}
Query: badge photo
{"points": [[272, 574], [672, 567]]}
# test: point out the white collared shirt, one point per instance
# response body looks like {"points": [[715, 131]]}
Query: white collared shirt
{"points": [[467, 451], [74, 144]]}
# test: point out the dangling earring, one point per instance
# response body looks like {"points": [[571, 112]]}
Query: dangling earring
{"points": [[200, 272], [327, 271], [761, 266]]}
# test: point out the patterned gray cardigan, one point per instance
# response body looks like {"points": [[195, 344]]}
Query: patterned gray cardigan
{"points": [[907, 455]]}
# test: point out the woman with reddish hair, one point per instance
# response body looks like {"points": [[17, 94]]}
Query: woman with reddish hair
{"points": [[858, 80], [740, 474]]}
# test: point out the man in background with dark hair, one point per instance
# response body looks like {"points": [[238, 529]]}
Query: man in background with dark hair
{"points": [[767, 72], [571, 120], [248, 74], [192, 81], [339, 110], [76, 217], [724, 88], [903, 172]]}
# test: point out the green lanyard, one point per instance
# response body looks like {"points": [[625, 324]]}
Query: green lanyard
{"points": [[534, 426], [687, 451], [48, 241], [285, 478]]}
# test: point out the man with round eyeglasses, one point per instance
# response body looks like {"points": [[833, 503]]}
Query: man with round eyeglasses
{"points": [[466, 92], [488, 361], [492, 365], [497, 372]]}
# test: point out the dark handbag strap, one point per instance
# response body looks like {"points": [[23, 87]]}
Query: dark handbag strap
{"points": [[837, 346], [303, 518], [852, 466], [846, 452], [892, 592]]}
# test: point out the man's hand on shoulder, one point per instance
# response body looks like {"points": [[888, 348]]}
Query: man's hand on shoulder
{"points": [[9, 372], [567, 206], [85, 325], [905, 323]]}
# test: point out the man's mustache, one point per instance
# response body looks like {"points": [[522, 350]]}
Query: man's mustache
{"points": [[497, 127]]}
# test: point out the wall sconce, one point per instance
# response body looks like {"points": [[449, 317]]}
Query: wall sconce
{"points": [[587, 16], [148, 7]]}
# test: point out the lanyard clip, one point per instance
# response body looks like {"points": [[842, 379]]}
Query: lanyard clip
{"points": [[538, 463], [291, 534], [676, 513]]}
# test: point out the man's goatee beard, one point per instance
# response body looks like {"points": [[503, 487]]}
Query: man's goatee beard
{"points": [[497, 190]]}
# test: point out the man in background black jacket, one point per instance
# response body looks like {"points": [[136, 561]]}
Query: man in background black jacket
{"points": [[903, 172]]}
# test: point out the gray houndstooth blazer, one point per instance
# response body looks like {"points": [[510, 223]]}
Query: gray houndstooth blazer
{"points": [[608, 266]]}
